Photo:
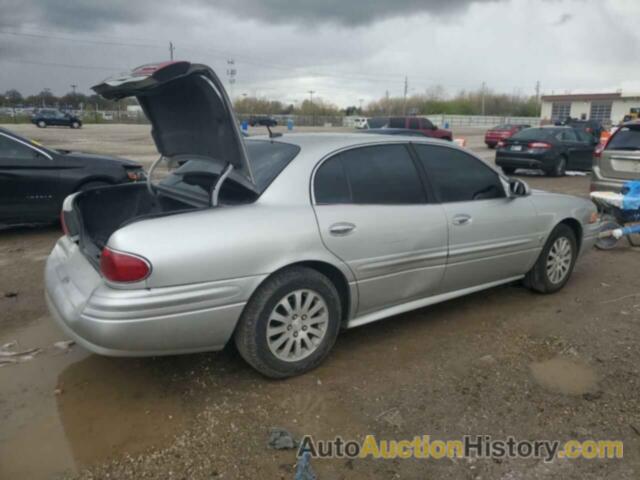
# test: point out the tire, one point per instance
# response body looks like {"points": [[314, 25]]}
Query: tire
{"points": [[42, 124], [265, 309], [95, 184], [540, 278], [609, 222], [508, 170], [560, 167], [75, 125]]}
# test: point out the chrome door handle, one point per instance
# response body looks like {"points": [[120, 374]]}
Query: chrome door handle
{"points": [[341, 229], [462, 220]]}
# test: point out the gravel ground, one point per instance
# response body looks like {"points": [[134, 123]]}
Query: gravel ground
{"points": [[501, 362]]}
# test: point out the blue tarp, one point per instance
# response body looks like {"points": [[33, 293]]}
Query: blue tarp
{"points": [[631, 192]]}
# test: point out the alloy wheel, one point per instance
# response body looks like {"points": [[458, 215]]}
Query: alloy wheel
{"points": [[559, 260], [297, 325]]}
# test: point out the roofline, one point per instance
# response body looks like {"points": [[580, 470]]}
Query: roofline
{"points": [[582, 96]]}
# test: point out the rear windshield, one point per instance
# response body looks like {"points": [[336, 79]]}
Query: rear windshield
{"points": [[377, 122], [267, 160], [627, 138], [535, 133]]}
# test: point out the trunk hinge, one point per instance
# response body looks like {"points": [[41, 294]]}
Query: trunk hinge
{"points": [[215, 192], [154, 165]]}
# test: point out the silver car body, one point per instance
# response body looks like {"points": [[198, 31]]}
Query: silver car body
{"points": [[384, 259]]}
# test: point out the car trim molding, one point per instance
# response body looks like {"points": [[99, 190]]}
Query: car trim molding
{"points": [[424, 302]]}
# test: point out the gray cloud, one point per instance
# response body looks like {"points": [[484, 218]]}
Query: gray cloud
{"points": [[564, 18], [341, 12]]}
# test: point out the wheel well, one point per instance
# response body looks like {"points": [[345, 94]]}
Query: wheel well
{"points": [[336, 277], [574, 225]]}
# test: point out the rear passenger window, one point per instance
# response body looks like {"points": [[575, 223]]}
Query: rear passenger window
{"points": [[414, 124], [398, 122], [457, 176], [382, 175]]}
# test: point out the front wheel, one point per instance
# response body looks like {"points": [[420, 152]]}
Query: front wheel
{"points": [[559, 169], [42, 124], [555, 264], [290, 323], [75, 125]]}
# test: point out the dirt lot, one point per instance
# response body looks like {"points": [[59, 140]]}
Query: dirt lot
{"points": [[502, 362]]}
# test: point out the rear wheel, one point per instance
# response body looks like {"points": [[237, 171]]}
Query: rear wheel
{"points": [[75, 125], [555, 264], [290, 323], [42, 124]]}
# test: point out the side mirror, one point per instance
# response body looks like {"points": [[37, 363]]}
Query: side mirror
{"points": [[518, 188]]}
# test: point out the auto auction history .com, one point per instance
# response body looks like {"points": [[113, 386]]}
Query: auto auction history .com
{"points": [[468, 446]]}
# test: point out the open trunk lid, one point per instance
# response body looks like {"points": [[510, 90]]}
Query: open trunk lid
{"points": [[189, 110]]}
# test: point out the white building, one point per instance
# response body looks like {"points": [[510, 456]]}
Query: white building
{"points": [[605, 107]]}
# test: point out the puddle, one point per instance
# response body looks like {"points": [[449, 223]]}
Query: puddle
{"points": [[565, 376]]}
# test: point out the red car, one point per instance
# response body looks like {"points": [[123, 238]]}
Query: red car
{"points": [[421, 124], [493, 136]]}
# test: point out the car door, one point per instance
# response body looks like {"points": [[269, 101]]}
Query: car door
{"points": [[576, 150], [28, 182], [374, 214], [492, 236], [585, 145]]}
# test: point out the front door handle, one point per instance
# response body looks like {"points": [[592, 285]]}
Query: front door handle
{"points": [[462, 219], [341, 229]]}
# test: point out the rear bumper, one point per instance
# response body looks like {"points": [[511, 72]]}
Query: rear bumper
{"points": [[603, 184], [140, 322], [508, 159]]}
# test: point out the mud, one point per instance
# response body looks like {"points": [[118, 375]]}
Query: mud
{"points": [[502, 362]]}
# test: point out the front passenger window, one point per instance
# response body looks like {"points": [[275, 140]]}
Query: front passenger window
{"points": [[457, 176]]}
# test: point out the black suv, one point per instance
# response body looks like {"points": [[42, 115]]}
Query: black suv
{"points": [[53, 117], [592, 127], [263, 120]]}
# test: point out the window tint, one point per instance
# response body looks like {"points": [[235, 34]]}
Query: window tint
{"points": [[457, 176], [584, 136], [397, 122], [567, 135], [331, 184], [627, 138], [370, 175], [414, 123], [426, 123], [14, 150], [268, 159]]}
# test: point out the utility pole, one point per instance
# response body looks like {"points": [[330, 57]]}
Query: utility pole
{"points": [[232, 71], [313, 110], [73, 87], [484, 87], [406, 90], [171, 49], [361, 100], [386, 103], [538, 91]]}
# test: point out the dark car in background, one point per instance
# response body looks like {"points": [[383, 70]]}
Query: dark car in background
{"points": [[263, 121], [377, 122], [500, 132], [619, 161], [34, 180], [551, 149], [46, 117], [421, 124], [395, 131], [592, 127]]}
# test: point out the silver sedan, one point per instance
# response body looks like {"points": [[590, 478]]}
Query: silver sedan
{"points": [[278, 243]]}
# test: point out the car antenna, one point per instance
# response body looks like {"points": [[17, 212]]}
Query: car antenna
{"points": [[273, 134]]}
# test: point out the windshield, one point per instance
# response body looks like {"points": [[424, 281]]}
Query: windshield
{"points": [[626, 138]]}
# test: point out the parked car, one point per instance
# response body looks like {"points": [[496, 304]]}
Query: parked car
{"points": [[46, 117], [500, 132], [279, 243], [592, 127], [421, 124], [550, 149], [619, 160], [360, 122], [263, 121], [377, 122], [34, 179], [395, 131]]}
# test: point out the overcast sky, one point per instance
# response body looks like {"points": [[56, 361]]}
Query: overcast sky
{"points": [[344, 50]]}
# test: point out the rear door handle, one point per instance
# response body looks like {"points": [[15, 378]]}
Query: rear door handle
{"points": [[462, 219], [341, 229]]}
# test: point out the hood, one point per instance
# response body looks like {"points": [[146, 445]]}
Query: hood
{"points": [[189, 111], [101, 159]]}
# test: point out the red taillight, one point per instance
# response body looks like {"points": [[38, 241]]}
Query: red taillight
{"points": [[543, 145], [597, 153], [123, 267], [63, 224], [500, 144]]}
